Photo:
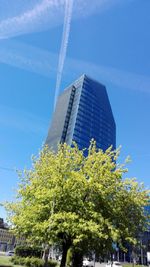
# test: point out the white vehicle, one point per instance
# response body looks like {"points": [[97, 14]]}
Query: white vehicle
{"points": [[10, 253], [60, 257], [113, 264], [88, 263]]}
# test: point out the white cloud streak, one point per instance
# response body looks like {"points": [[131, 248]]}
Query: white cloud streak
{"points": [[44, 63], [22, 121], [64, 45], [109, 75], [28, 58], [34, 19], [84, 8], [41, 15]]}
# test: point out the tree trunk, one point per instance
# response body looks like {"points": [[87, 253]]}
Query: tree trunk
{"points": [[77, 259], [45, 256], [65, 248]]}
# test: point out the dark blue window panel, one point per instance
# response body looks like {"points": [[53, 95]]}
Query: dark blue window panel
{"points": [[88, 115]]}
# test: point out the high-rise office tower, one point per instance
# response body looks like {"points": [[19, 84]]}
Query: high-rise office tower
{"points": [[83, 112]]}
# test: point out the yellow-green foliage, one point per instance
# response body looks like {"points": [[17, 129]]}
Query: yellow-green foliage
{"points": [[67, 196]]}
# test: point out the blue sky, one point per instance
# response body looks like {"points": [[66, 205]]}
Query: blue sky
{"points": [[108, 39]]}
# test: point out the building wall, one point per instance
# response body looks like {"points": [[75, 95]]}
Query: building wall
{"points": [[8, 241], [83, 114], [94, 117], [58, 120]]}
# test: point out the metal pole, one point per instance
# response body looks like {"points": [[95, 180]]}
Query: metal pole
{"points": [[142, 260], [94, 259]]}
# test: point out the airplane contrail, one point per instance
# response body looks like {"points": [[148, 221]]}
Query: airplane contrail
{"points": [[39, 15], [43, 62], [34, 19], [64, 45]]}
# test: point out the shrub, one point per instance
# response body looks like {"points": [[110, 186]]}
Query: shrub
{"points": [[32, 262], [28, 251], [22, 261], [35, 262], [28, 262], [52, 263], [15, 260]]}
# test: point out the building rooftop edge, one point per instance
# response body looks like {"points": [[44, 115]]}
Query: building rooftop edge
{"points": [[84, 75]]}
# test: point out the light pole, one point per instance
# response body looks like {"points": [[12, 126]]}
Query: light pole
{"points": [[142, 260]]}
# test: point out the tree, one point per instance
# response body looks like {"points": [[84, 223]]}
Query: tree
{"points": [[78, 202]]}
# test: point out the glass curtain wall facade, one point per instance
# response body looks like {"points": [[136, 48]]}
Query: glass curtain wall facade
{"points": [[83, 112]]}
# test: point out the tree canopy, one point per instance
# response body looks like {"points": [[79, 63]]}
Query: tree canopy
{"points": [[77, 201]]}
